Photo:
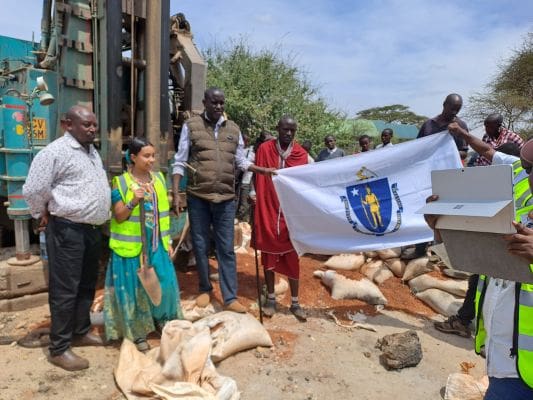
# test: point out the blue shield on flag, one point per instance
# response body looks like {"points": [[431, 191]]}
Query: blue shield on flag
{"points": [[371, 201]]}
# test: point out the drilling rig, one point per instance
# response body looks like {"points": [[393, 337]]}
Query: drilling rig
{"points": [[129, 61]]}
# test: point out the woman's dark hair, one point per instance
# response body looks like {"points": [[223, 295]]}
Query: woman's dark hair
{"points": [[135, 147]]}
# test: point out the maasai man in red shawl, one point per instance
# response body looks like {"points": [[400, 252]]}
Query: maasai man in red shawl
{"points": [[272, 236]]}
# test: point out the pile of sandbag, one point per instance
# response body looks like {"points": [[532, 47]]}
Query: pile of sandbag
{"points": [[182, 367], [242, 237], [443, 295]]}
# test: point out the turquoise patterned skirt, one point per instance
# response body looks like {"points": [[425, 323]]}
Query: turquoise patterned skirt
{"points": [[128, 311]]}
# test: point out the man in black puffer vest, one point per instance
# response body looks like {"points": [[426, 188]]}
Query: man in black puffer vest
{"points": [[210, 147]]}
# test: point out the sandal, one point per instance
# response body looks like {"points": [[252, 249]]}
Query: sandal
{"points": [[269, 308], [298, 312], [142, 345]]}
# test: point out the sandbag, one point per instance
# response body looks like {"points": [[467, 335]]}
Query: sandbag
{"points": [[181, 368], [389, 253], [416, 267], [425, 281], [370, 254], [191, 312], [234, 332], [348, 262], [465, 387], [376, 271], [344, 288], [442, 302], [281, 287], [396, 265]]}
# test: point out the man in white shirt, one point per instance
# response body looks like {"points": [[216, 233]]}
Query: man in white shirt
{"points": [[67, 189], [386, 137]]}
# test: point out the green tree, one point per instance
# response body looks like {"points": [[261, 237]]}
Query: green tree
{"points": [[395, 113], [510, 92], [261, 86]]}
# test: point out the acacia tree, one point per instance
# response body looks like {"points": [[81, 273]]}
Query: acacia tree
{"points": [[510, 92], [261, 86], [395, 113]]}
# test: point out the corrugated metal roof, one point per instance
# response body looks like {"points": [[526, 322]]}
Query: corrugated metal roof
{"points": [[401, 131]]}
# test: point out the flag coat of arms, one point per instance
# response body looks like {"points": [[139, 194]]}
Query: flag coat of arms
{"points": [[363, 202]]}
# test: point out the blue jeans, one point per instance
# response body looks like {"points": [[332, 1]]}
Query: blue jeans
{"points": [[508, 389], [202, 215]]}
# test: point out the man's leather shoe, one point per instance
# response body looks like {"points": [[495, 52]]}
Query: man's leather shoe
{"points": [[89, 339], [235, 306], [203, 300], [69, 361]]}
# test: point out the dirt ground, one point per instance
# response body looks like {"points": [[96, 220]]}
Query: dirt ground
{"points": [[313, 360]]}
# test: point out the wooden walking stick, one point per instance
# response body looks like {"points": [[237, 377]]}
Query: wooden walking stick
{"points": [[252, 217]]}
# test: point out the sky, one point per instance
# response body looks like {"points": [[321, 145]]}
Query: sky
{"points": [[360, 54]]}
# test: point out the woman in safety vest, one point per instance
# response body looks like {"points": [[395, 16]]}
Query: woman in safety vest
{"points": [[129, 311]]}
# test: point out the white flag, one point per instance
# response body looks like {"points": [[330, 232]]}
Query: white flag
{"points": [[366, 201]]}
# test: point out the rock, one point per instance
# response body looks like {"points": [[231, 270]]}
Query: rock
{"points": [[400, 350]]}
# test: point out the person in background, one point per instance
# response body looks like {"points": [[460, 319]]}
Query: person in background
{"points": [[450, 108], [67, 189], [496, 135], [331, 151], [364, 144], [271, 232], [386, 137], [128, 310], [307, 145], [243, 205]]}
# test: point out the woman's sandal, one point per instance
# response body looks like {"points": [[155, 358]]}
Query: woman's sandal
{"points": [[142, 345]]}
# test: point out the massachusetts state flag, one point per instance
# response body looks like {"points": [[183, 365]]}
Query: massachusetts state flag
{"points": [[366, 201]]}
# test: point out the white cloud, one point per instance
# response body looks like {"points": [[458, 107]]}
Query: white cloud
{"points": [[360, 53]]}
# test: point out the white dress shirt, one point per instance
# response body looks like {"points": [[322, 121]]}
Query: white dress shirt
{"points": [[70, 182]]}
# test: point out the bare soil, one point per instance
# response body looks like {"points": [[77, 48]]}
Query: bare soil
{"points": [[313, 360]]}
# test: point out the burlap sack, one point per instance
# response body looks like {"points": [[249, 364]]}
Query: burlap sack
{"points": [[347, 262], [442, 302], [465, 387], [396, 265], [416, 267], [344, 288], [389, 253], [233, 333], [425, 281], [376, 271]]}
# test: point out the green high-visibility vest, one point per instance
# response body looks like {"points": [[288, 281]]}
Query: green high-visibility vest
{"points": [[522, 346], [125, 239]]}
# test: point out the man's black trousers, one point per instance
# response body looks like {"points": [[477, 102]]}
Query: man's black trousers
{"points": [[467, 312], [73, 255]]}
